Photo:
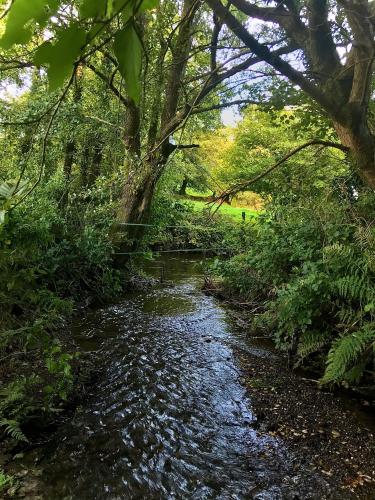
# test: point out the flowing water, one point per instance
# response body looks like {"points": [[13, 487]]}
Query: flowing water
{"points": [[168, 417]]}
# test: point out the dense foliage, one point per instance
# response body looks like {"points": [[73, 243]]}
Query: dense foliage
{"points": [[310, 263]]}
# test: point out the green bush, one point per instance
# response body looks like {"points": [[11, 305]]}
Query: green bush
{"points": [[314, 268], [50, 257]]}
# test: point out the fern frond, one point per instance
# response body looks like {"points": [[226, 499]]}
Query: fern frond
{"points": [[349, 316], [353, 287], [354, 375], [346, 353], [310, 342], [337, 250], [12, 429], [12, 393]]}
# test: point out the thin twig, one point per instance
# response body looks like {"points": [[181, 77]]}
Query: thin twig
{"points": [[45, 141]]}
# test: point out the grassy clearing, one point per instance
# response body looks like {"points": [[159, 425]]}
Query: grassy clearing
{"points": [[228, 210], [194, 192]]}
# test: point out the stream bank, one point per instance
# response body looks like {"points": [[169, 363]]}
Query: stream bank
{"points": [[331, 432], [326, 432], [184, 406]]}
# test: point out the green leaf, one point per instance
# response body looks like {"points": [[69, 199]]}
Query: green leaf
{"points": [[19, 20], [129, 9], [128, 51], [93, 9], [61, 56], [148, 5]]}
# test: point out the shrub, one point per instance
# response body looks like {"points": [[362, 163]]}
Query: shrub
{"points": [[314, 266], [178, 225], [50, 257]]}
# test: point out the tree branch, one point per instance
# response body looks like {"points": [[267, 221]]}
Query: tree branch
{"points": [[187, 146], [214, 41], [223, 105], [108, 82], [289, 20], [324, 59], [274, 60], [361, 21], [244, 185]]}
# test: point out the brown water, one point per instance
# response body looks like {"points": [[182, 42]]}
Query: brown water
{"points": [[168, 417]]}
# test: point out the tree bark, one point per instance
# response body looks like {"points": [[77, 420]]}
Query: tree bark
{"points": [[96, 162], [71, 147], [183, 187], [361, 145], [137, 195], [135, 204], [144, 173]]}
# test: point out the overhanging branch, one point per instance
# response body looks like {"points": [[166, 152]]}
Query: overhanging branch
{"points": [[109, 83], [187, 146], [244, 185], [223, 105], [265, 54]]}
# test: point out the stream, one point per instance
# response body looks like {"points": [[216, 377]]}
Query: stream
{"points": [[168, 417]]}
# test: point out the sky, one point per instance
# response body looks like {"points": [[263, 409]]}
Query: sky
{"points": [[230, 116]]}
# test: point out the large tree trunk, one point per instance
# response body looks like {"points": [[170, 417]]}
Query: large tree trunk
{"points": [[144, 174], [137, 195], [361, 145], [71, 147], [135, 204]]}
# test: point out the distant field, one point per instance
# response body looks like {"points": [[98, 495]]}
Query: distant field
{"points": [[194, 192], [233, 212]]}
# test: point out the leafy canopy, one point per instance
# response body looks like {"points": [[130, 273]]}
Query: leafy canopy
{"points": [[71, 42]]}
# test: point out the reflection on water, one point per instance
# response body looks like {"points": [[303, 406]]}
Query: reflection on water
{"points": [[168, 417]]}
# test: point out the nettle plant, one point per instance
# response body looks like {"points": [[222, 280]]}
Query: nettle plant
{"points": [[61, 35]]}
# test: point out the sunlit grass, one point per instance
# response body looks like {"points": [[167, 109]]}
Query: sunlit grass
{"points": [[194, 192], [228, 210]]}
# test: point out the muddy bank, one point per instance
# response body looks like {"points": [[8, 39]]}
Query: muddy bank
{"points": [[331, 433], [23, 478]]}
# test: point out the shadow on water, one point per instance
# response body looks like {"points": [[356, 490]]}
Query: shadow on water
{"points": [[168, 417]]}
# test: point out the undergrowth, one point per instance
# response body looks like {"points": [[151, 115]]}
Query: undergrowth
{"points": [[179, 225], [51, 257], [5, 480], [312, 269]]}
